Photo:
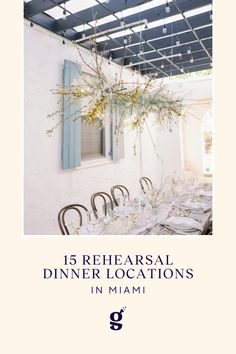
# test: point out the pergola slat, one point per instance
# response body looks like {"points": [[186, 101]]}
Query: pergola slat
{"points": [[156, 48], [35, 7], [175, 27], [156, 33], [200, 67], [200, 54], [150, 15], [161, 44], [88, 15]]}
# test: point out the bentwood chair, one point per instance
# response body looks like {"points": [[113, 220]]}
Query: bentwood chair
{"points": [[62, 216], [124, 192], [209, 229], [107, 202], [145, 183]]}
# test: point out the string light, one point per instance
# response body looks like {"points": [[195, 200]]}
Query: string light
{"points": [[167, 7], [191, 60], [64, 12], [189, 50], [125, 41], [122, 22], [211, 15], [109, 59], [146, 25], [177, 41], [63, 35], [164, 29], [134, 72], [162, 66], [83, 34]]}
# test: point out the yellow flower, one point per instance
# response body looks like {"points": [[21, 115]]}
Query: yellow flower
{"points": [[73, 90], [176, 111], [137, 121], [96, 111], [133, 95]]}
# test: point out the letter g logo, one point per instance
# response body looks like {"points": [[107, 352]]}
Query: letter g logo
{"points": [[115, 318]]}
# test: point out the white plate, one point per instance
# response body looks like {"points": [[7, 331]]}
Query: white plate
{"points": [[196, 206], [182, 223], [179, 230]]}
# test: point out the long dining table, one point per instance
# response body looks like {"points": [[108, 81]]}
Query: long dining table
{"points": [[133, 219]]}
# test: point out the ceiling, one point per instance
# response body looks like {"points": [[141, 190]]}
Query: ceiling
{"points": [[155, 37]]}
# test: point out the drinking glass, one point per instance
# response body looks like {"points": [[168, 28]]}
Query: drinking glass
{"points": [[92, 221]]}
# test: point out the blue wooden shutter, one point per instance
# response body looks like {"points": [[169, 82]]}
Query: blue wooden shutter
{"points": [[71, 136], [117, 140]]}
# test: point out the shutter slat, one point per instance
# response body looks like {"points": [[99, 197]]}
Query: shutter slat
{"points": [[71, 145]]}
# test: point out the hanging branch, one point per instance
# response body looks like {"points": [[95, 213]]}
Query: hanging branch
{"points": [[136, 106], [122, 66], [135, 142], [155, 148]]}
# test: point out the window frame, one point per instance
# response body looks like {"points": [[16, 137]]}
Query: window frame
{"points": [[106, 157], [71, 129]]}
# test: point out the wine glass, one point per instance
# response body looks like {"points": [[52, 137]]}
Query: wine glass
{"points": [[92, 221]]}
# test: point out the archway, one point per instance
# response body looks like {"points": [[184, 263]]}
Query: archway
{"points": [[207, 140]]}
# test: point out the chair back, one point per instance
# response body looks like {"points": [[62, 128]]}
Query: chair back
{"points": [[62, 216], [124, 191], [145, 183], [106, 201]]}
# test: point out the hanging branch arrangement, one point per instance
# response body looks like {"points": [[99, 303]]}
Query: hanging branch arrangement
{"points": [[136, 103]]}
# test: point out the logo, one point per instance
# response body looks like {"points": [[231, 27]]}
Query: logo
{"points": [[115, 318]]}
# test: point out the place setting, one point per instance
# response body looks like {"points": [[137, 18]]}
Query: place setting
{"points": [[166, 210]]}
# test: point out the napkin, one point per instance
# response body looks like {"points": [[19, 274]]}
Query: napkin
{"points": [[162, 212], [201, 207], [182, 223], [203, 193], [139, 230]]}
